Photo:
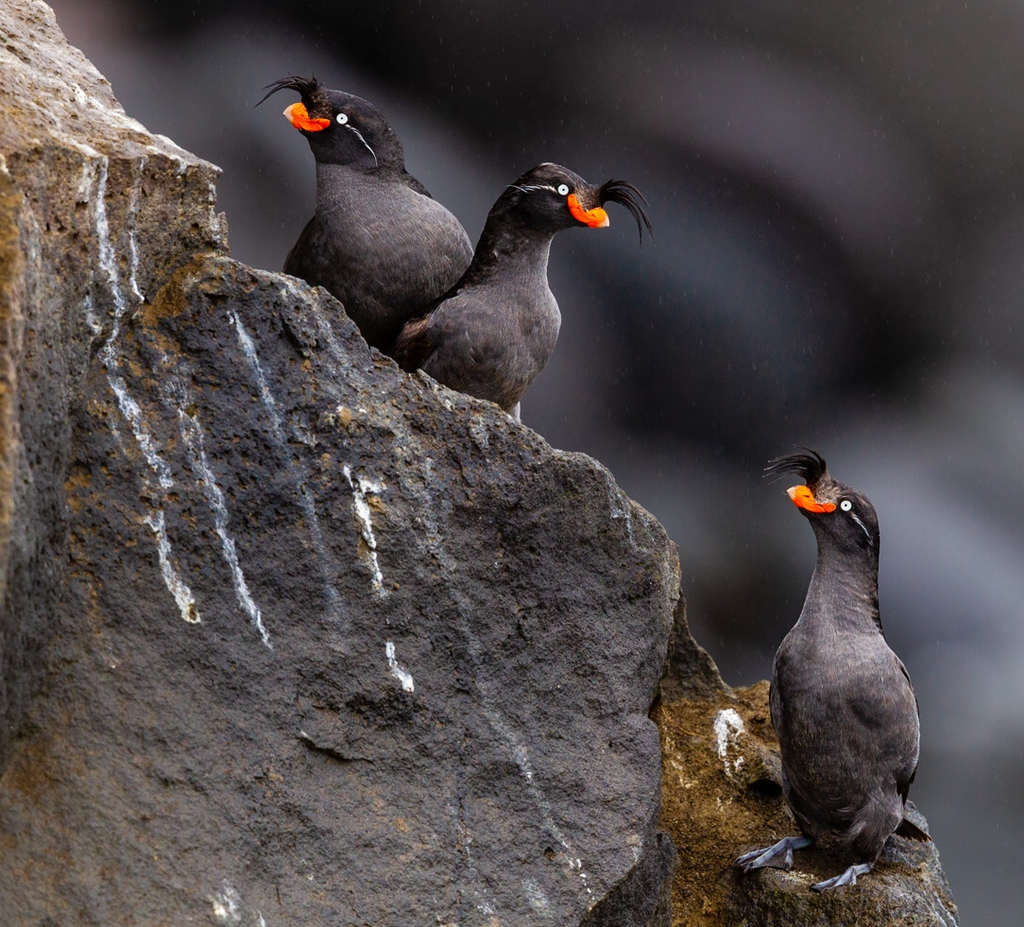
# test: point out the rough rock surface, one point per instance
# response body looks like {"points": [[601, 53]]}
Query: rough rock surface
{"points": [[80, 185], [289, 637], [722, 795]]}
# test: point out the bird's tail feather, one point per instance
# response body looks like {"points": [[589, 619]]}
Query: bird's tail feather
{"points": [[909, 829]]}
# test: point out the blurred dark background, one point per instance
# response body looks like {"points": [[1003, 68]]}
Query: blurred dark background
{"points": [[838, 258]]}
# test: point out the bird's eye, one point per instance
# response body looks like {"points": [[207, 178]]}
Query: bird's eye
{"points": [[846, 505], [563, 189], [342, 119]]}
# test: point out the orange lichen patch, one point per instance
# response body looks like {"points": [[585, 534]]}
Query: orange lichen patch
{"points": [[596, 218], [30, 771], [171, 299], [76, 486], [344, 416], [719, 795]]}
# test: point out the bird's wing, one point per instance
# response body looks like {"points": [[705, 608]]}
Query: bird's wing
{"points": [[473, 349], [903, 782], [414, 184], [414, 344], [463, 344], [421, 335], [873, 709], [908, 828]]}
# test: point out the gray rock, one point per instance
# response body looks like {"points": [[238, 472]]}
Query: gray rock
{"points": [[81, 185], [289, 637]]}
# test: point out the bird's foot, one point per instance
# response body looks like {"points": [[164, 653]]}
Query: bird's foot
{"points": [[849, 877], [777, 856]]}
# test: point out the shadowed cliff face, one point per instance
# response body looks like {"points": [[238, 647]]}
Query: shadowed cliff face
{"points": [[366, 629], [289, 636], [82, 186]]}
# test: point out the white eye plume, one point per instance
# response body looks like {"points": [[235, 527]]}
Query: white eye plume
{"points": [[563, 189], [846, 505], [342, 120], [531, 187]]}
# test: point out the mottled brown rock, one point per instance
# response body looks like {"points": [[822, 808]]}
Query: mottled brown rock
{"points": [[722, 795], [81, 185]]}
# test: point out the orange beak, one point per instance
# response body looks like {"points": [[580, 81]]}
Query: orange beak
{"points": [[804, 499], [298, 116], [595, 218]]}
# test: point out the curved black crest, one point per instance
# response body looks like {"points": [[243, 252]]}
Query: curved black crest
{"points": [[625, 194], [810, 465], [309, 88]]}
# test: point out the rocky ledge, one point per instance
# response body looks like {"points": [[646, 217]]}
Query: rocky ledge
{"points": [[722, 795], [290, 637]]}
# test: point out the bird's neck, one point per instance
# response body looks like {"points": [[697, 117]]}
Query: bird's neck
{"points": [[505, 250], [843, 594], [337, 182]]}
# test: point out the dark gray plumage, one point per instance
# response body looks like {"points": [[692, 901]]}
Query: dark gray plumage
{"points": [[841, 701], [377, 241], [494, 331]]}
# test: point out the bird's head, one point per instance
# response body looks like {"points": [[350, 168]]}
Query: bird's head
{"points": [[341, 128], [550, 197], [835, 510]]}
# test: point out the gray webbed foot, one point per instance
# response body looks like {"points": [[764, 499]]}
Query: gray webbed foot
{"points": [[777, 856], [849, 877]]}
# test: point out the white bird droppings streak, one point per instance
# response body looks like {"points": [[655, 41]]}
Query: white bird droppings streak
{"points": [[93, 186], [728, 726], [175, 584], [361, 487], [400, 674], [133, 211], [306, 501], [108, 263], [192, 435], [108, 353], [494, 717], [522, 758], [133, 414], [227, 904]]}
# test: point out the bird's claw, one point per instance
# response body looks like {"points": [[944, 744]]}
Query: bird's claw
{"points": [[849, 877], [777, 856]]}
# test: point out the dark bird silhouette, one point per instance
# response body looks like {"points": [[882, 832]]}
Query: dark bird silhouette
{"points": [[841, 700], [493, 332], [377, 241]]}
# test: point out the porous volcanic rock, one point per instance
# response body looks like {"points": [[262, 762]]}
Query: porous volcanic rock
{"points": [[289, 637]]}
